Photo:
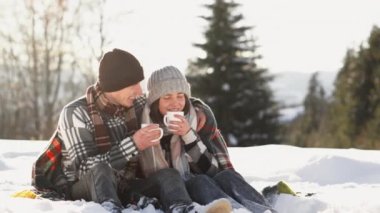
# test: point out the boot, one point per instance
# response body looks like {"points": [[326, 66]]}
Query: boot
{"points": [[219, 206], [111, 206]]}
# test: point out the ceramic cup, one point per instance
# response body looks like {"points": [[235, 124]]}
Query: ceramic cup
{"points": [[170, 117], [158, 129]]}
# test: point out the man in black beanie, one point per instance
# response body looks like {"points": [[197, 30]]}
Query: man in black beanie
{"points": [[101, 140]]}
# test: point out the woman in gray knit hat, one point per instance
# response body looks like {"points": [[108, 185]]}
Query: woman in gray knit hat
{"points": [[193, 145]]}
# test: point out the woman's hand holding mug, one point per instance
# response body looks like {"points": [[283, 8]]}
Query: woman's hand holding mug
{"points": [[176, 123]]}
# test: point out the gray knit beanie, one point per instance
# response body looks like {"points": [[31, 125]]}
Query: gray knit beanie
{"points": [[166, 80]]}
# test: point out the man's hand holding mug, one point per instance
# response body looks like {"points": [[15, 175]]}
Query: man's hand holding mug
{"points": [[149, 135]]}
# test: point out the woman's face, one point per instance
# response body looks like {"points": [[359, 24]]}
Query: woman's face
{"points": [[172, 102]]}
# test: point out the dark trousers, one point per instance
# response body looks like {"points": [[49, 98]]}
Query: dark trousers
{"points": [[227, 184], [165, 184], [100, 184]]}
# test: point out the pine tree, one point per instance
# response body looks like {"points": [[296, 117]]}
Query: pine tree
{"points": [[342, 113], [371, 129], [230, 82], [354, 114], [314, 105], [304, 129]]}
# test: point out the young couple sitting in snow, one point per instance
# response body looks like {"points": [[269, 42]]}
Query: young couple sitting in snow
{"points": [[128, 149]]}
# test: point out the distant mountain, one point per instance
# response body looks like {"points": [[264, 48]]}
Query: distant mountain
{"points": [[290, 89]]}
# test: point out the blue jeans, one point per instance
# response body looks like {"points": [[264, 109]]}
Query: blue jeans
{"points": [[165, 184], [227, 184], [99, 184]]}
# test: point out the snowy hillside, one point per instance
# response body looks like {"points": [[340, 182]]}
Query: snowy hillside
{"points": [[290, 88], [343, 180]]}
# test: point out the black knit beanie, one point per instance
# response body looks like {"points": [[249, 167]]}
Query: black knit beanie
{"points": [[119, 69]]}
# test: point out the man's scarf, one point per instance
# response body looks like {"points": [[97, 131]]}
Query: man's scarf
{"points": [[153, 159], [96, 102]]}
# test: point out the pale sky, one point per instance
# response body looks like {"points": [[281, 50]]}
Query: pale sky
{"points": [[293, 35]]}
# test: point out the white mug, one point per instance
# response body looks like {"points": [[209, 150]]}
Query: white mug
{"points": [[170, 117], [158, 129]]}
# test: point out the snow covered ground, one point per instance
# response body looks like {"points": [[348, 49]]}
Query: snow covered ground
{"points": [[343, 180]]}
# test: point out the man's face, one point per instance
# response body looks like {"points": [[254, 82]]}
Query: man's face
{"points": [[126, 96], [172, 102]]}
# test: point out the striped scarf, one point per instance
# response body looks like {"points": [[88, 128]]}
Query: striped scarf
{"points": [[152, 159], [96, 102]]}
